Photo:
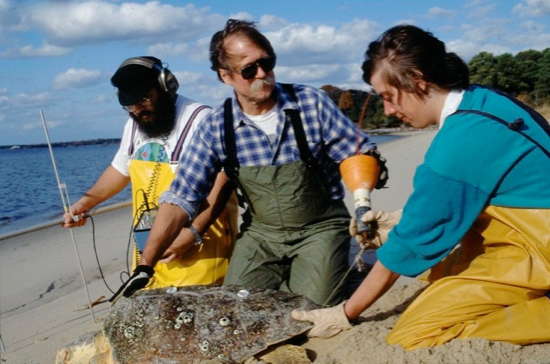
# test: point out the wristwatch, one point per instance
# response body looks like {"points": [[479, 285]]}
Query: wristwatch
{"points": [[198, 237]]}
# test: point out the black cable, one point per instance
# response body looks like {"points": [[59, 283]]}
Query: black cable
{"points": [[97, 256]]}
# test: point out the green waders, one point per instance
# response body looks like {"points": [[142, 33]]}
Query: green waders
{"points": [[297, 239], [294, 237]]}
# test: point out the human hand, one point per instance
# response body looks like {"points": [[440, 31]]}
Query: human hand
{"points": [[385, 221], [180, 246], [78, 217], [139, 279], [328, 321]]}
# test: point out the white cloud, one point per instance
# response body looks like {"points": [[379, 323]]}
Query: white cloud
{"points": [[104, 98], [272, 22], [52, 124], [530, 8], [25, 100], [240, 16], [490, 29], [531, 26], [168, 49], [467, 49], [304, 44], [95, 21], [481, 10], [47, 50], [185, 78], [10, 17], [306, 74], [437, 12], [77, 78], [524, 41]]}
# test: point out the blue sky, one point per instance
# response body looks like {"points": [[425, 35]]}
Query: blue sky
{"points": [[59, 55]]}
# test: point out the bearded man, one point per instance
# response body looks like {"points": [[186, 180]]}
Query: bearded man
{"points": [[160, 126]]}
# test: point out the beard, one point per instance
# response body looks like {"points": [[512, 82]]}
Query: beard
{"points": [[159, 122]]}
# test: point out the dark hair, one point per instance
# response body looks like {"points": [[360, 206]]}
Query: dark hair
{"points": [[407, 53], [218, 54]]}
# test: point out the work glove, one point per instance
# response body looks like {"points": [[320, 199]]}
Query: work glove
{"points": [[385, 221], [139, 279], [328, 321]]}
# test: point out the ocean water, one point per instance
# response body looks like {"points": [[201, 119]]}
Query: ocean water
{"points": [[29, 192]]}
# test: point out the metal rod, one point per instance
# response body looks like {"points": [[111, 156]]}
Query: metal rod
{"points": [[2, 347], [66, 207]]}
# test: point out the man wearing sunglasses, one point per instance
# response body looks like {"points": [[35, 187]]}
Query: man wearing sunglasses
{"points": [[158, 130], [282, 151]]}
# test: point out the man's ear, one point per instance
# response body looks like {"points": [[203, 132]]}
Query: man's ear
{"points": [[224, 75]]}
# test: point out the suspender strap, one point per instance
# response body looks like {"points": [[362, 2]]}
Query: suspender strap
{"points": [[515, 125], [231, 164], [299, 132], [177, 151]]}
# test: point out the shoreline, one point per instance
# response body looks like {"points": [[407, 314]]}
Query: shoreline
{"points": [[48, 224]]}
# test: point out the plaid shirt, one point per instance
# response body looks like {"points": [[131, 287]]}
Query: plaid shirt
{"points": [[331, 137]]}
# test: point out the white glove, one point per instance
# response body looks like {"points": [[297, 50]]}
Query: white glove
{"points": [[328, 321], [385, 221]]}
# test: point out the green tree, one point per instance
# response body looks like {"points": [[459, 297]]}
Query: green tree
{"points": [[542, 85], [528, 71], [507, 77], [483, 69]]}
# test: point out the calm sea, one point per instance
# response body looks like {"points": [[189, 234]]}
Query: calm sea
{"points": [[29, 192]]}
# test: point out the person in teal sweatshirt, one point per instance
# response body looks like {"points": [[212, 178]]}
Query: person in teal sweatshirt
{"points": [[477, 224]]}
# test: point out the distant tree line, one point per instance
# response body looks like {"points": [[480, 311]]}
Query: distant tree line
{"points": [[525, 76]]}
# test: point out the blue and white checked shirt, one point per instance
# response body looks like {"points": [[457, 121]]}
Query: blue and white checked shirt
{"points": [[331, 137]]}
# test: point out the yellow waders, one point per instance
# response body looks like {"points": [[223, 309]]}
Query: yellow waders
{"points": [[203, 264], [492, 287]]}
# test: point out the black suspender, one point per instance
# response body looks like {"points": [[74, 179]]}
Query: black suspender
{"points": [[305, 153]]}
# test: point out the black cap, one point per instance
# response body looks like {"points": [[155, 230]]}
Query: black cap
{"points": [[135, 77]]}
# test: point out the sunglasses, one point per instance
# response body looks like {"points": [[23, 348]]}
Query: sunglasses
{"points": [[142, 103], [250, 71]]}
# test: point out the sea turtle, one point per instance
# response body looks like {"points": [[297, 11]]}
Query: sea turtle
{"points": [[192, 324]]}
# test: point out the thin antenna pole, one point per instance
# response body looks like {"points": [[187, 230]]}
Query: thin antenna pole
{"points": [[66, 207]]}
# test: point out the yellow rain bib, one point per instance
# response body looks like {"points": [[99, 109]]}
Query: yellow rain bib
{"points": [[203, 264], [494, 286]]}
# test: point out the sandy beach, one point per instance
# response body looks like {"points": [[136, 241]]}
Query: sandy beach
{"points": [[42, 295]]}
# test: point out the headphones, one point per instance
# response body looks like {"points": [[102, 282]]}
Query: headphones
{"points": [[166, 79]]}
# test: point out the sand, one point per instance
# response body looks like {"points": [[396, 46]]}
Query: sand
{"points": [[42, 294]]}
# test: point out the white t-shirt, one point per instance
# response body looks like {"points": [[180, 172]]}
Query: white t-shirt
{"points": [[452, 102], [144, 148], [267, 123]]}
